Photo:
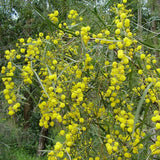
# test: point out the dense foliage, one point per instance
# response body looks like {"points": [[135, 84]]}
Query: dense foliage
{"points": [[99, 88]]}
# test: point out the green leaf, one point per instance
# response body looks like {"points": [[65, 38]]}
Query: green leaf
{"points": [[148, 45], [140, 106], [39, 80], [95, 12]]}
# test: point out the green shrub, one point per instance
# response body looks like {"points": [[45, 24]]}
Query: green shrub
{"points": [[99, 91], [14, 139]]}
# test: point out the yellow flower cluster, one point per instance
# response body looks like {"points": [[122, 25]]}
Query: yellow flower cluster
{"points": [[72, 14], [10, 88], [156, 118], [54, 16], [85, 35], [10, 54]]}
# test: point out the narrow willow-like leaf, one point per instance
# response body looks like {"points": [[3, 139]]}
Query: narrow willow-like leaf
{"points": [[144, 117], [131, 77], [152, 32], [140, 106], [39, 80], [97, 15], [50, 74], [155, 69], [145, 138], [108, 3], [148, 45]]}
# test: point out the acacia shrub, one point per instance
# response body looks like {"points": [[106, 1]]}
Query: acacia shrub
{"points": [[100, 89]]}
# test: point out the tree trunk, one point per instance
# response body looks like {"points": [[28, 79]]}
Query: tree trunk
{"points": [[140, 29], [27, 111], [154, 8], [42, 141]]}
